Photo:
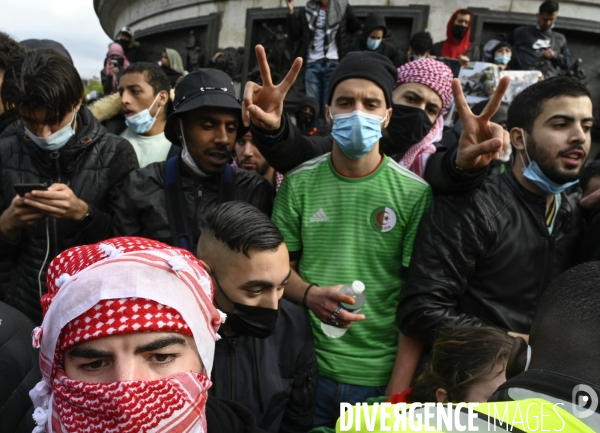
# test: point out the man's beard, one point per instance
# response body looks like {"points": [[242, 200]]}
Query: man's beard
{"points": [[549, 164]]}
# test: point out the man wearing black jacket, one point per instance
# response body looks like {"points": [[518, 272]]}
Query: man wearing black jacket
{"points": [[61, 144], [485, 258], [324, 29], [373, 39], [540, 42], [266, 358], [169, 201]]}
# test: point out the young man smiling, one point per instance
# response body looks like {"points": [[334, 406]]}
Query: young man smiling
{"points": [[205, 123], [486, 257], [127, 343], [145, 99], [266, 359], [352, 215]]}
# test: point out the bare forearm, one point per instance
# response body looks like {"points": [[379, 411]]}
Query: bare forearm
{"points": [[296, 286], [407, 359]]}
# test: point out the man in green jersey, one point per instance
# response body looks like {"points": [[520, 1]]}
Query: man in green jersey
{"points": [[352, 214]]}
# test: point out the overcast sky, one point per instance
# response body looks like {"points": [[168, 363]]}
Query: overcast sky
{"points": [[73, 23]]}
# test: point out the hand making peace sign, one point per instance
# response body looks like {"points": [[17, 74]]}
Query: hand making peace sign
{"points": [[263, 105], [481, 141]]}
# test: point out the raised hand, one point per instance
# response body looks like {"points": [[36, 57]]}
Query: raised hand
{"points": [[481, 140], [263, 105]]}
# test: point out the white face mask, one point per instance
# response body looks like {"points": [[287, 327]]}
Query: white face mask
{"points": [[56, 140], [142, 122], [187, 158]]}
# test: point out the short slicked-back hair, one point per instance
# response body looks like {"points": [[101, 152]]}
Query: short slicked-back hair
{"points": [[529, 104], [9, 48], [242, 227], [42, 80], [549, 7]]}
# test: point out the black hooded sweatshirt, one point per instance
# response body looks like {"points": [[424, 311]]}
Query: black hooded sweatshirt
{"points": [[312, 129], [372, 22]]}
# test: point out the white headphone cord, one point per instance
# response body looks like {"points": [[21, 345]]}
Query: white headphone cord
{"points": [[47, 254]]}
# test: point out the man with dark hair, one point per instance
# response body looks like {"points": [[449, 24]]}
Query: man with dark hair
{"points": [[373, 38], [485, 258], [61, 144], [324, 29], [266, 359], [169, 201], [145, 99], [539, 46], [248, 157], [352, 190], [132, 48], [420, 46], [8, 49]]}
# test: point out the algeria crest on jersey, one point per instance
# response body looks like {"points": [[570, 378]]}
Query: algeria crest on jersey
{"points": [[383, 219]]}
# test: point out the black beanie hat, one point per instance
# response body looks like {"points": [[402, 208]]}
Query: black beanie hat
{"points": [[370, 66]]}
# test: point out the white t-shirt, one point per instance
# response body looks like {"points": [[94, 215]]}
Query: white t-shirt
{"points": [[316, 48], [148, 149]]}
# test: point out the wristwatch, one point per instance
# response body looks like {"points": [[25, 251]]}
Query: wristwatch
{"points": [[87, 218]]}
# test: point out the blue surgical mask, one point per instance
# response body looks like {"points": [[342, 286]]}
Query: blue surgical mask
{"points": [[534, 173], [373, 44], [502, 59], [142, 122], [356, 133], [56, 140]]}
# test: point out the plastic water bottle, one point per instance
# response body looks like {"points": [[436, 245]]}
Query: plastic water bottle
{"points": [[356, 291]]}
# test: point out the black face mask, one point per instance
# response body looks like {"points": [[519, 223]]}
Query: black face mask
{"points": [[256, 322], [408, 125], [459, 32], [305, 119]]}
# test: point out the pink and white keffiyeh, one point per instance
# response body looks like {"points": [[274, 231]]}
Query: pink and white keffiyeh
{"points": [[438, 77], [124, 285]]}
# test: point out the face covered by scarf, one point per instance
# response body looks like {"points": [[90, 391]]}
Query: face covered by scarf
{"points": [[123, 286], [411, 125]]}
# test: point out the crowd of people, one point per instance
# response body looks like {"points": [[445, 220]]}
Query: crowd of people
{"points": [[178, 257]]}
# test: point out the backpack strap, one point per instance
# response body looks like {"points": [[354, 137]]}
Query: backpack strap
{"points": [[176, 210]]}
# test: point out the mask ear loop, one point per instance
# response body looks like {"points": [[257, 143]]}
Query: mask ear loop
{"points": [[159, 108], [528, 358], [525, 147]]}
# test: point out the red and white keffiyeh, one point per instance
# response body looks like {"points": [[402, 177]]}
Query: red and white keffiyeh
{"points": [[124, 285], [438, 77]]}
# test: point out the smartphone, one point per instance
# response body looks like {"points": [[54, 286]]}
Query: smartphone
{"points": [[23, 188], [114, 63]]}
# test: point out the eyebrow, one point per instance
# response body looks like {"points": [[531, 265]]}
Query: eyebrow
{"points": [[567, 117], [207, 118], [160, 344], [265, 283], [91, 353], [88, 353]]}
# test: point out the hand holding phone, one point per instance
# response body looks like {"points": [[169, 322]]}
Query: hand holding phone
{"points": [[24, 188]]}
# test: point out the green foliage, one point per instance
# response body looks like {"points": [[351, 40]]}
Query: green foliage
{"points": [[93, 85]]}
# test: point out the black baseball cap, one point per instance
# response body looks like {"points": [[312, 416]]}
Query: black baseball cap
{"points": [[202, 88]]}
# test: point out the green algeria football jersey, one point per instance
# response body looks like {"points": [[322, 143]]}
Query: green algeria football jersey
{"points": [[354, 229]]}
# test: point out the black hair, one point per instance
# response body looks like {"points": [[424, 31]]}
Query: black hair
{"points": [[421, 43], [155, 76], [9, 48], [42, 80], [242, 227], [461, 358], [588, 172], [549, 7], [528, 104]]}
